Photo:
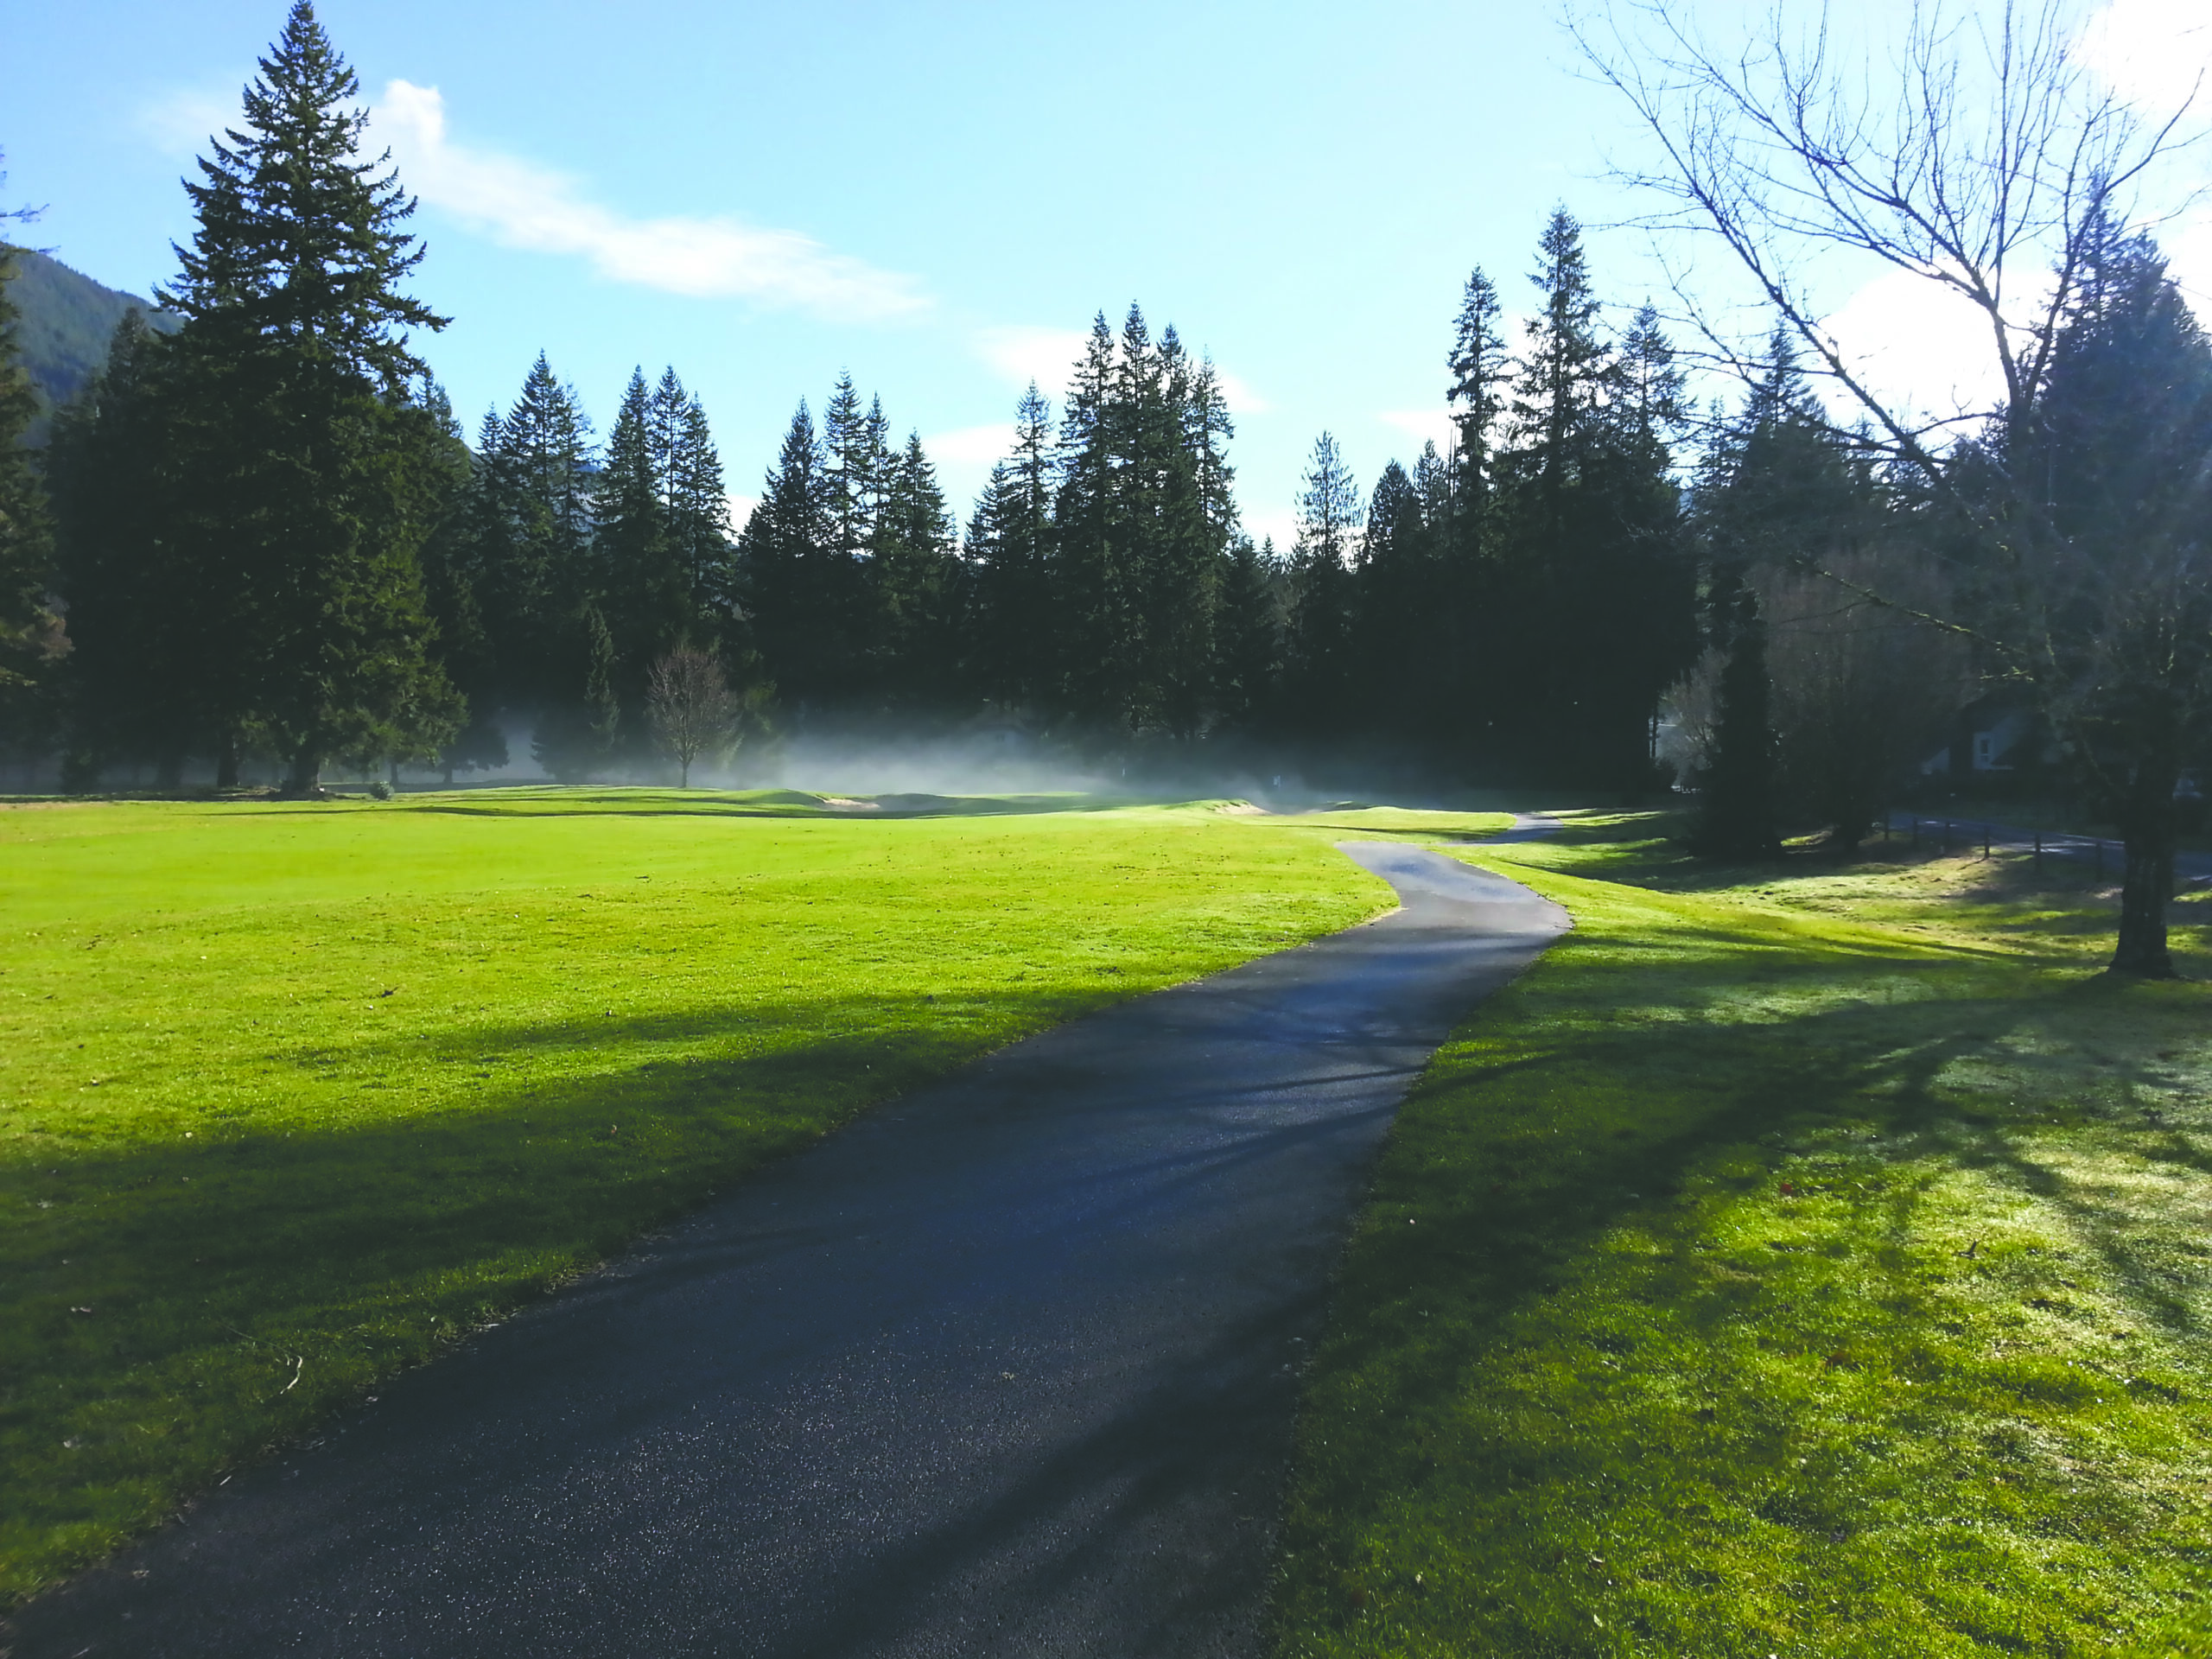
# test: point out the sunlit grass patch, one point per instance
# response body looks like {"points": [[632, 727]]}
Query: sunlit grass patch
{"points": [[1425, 823], [293, 1096], [1751, 1279]]}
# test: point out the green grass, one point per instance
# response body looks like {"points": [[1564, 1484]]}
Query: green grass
{"points": [[292, 1096], [1793, 1262]]}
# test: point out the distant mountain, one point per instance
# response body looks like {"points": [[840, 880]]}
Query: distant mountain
{"points": [[66, 319]]}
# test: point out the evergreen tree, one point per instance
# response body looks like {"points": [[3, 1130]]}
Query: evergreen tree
{"points": [[1088, 577], [641, 585], [542, 466], [315, 476], [1249, 658], [698, 509], [452, 575], [1458, 494], [850, 482], [30, 633], [2118, 577], [577, 736], [1594, 595], [137, 611], [1318, 666], [1736, 789], [1009, 548], [916, 571], [801, 589], [1394, 597]]}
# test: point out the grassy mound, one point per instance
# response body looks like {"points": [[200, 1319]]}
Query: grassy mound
{"points": [[291, 1096], [1815, 1263]]}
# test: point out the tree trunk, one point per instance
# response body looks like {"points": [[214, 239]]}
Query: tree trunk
{"points": [[305, 771], [394, 775], [2147, 825], [226, 762]]}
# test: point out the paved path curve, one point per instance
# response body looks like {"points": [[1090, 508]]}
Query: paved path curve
{"points": [[1007, 1368]]}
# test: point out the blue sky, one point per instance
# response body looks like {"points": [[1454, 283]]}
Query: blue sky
{"points": [[936, 197]]}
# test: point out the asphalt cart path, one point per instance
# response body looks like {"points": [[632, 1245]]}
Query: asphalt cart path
{"points": [[1007, 1368]]}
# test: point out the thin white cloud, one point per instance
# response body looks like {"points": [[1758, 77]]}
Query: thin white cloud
{"points": [[181, 122], [1919, 346], [522, 205], [1240, 398], [2155, 54], [1023, 353], [1283, 526], [971, 446], [1423, 426]]}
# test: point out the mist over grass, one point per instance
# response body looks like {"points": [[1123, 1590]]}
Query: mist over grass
{"points": [[875, 763]]}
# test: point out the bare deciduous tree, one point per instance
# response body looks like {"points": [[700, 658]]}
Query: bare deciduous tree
{"points": [[693, 711], [1987, 161]]}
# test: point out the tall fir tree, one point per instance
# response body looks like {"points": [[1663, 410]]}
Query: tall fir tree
{"points": [[1593, 570], [1014, 624], [30, 633], [135, 617], [916, 572], [310, 475], [2117, 581], [1459, 495], [1318, 666], [1089, 578], [1738, 788], [803, 590], [641, 585], [1249, 657]]}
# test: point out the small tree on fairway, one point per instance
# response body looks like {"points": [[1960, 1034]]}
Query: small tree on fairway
{"points": [[693, 711]]}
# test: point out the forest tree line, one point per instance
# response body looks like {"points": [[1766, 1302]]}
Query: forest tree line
{"points": [[265, 533]]}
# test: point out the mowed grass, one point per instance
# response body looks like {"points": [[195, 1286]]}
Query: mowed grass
{"points": [[292, 1096], [1793, 1262]]}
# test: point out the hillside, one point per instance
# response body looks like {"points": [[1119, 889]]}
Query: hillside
{"points": [[66, 319]]}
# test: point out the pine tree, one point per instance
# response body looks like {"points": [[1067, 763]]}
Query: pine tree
{"points": [[849, 478], [1009, 549], [802, 590], [1394, 598], [577, 736], [546, 465], [1738, 788], [916, 571], [1087, 576], [641, 585], [1592, 570], [315, 476], [698, 509], [1249, 655], [453, 572], [2119, 580], [1460, 493], [135, 609], [30, 633], [1318, 666]]}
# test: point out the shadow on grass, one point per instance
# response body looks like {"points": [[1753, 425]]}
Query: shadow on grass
{"points": [[1667, 1086], [175, 1310]]}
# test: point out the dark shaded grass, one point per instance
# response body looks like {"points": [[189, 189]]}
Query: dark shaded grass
{"points": [[1748, 1283], [280, 1137]]}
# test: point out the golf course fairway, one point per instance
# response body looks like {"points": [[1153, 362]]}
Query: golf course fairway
{"points": [[294, 1095]]}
